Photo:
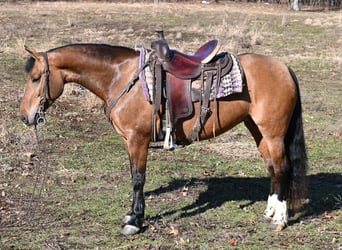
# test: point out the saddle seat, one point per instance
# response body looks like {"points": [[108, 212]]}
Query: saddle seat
{"points": [[185, 66], [203, 55]]}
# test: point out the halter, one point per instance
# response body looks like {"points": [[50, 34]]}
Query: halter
{"points": [[41, 120]]}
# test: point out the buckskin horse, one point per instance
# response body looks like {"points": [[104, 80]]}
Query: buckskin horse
{"points": [[269, 105]]}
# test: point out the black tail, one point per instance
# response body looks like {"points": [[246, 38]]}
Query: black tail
{"points": [[296, 152]]}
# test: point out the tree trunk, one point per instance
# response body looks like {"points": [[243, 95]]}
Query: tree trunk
{"points": [[295, 5]]}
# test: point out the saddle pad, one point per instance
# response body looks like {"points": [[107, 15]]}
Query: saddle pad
{"points": [[230, 83], [145, 76]]}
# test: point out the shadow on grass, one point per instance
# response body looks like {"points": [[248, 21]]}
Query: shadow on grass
{"points": [[324, 193]]}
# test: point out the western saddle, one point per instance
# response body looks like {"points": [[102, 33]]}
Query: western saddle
{"points": [[174, 73], [181, 65]]}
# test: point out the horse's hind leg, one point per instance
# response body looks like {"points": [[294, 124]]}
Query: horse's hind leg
{"points": [[274, 157], [262, 147], [279, 181]]}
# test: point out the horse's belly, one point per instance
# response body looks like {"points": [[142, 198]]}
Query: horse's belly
{"points": [[224, 116]]}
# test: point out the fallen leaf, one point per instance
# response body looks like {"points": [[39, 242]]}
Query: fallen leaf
{"points": [[29, 155], [233, 242], [153, 229], [335, 134], [174, 231], [327, 216], [285, 243], [181, 241]]}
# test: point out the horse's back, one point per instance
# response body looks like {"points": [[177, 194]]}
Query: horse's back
{"points": [[265, 70]]}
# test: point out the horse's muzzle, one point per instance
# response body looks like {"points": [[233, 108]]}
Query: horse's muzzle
{"points": [[25, 120], [28, 122]]}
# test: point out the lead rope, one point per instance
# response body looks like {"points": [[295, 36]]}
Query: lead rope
{"points": [[39, 184]]}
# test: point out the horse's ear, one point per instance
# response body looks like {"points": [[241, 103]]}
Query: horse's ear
{"points": [[35, 54]]}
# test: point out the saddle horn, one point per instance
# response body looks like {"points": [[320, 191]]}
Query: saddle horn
{"points": [[161, 47], [160, 34]]}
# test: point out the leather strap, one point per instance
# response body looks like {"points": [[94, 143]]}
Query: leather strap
{"points": [[130, 84], [157, 92], [204, 111], [46, 87]]}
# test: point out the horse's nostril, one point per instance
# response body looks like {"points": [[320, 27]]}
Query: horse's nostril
{"points": [[24, 119]]}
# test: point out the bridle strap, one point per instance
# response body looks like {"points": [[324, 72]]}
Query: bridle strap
{"points": [[45, 92], [46, 86]]}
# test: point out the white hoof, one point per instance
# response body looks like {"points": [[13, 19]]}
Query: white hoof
{"points": [[277, 227], [280, 218], [130, 230]]}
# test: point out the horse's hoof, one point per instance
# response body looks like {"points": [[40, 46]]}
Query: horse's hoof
{"points": [[126, 220], [266, 219], [130, 230], [277, 227]]}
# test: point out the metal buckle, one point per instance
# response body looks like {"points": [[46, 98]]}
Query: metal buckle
{"points": [[41, 120]]}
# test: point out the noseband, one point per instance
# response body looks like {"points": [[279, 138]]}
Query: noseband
{"points": [[41, 120]]}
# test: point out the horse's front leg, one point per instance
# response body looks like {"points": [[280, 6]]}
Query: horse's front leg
{"points": [[133, 221]]}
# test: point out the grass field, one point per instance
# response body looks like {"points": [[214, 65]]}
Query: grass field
{"points": [[71, 190]]}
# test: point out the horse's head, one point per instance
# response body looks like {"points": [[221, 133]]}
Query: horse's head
{"points": [[43, 86]]}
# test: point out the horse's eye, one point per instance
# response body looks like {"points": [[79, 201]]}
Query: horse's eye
{"points": [[36, 79]]}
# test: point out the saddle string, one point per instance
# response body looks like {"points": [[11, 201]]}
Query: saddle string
{"points": [[218, 79]]}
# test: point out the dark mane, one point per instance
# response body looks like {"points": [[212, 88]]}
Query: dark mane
{"points": [[96, 45]]}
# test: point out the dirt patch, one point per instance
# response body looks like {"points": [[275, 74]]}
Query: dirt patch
{"points": [[235, 149]]}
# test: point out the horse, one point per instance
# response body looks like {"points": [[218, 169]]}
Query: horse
{"points": [[269, 106]]}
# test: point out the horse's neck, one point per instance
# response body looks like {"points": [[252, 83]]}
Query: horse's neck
{"points": [[90, 76], [98, 75]]}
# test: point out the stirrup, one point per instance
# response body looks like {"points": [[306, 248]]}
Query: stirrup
{"points": [[168, 142]]}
